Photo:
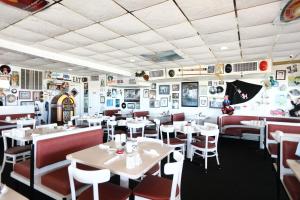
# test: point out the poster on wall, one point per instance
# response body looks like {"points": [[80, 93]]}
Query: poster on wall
{"points": [[24, 95], [203, 90], [175, 87], [164, 102], [36, 95], [109, 103], [175, 104], [11, 100], [102, 80], [164, 89], [14, 80], [102, 99], [152, 94], [189, 94], [216, 103], [131, 105], [132, 95], [152, 103], [146, 93], [203, 101], [117, 103], [175, 95], [293, 80]]}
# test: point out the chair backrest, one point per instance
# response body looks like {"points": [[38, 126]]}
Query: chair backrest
{"points": [[175, 169], [75, 119], [95, 122], [8, 132], [178, 117], [133, 126], [50, 126], [214, 133], [157, 124], [166, 129], [25, 122], [87, 177], [111, 127], [141, 114]]}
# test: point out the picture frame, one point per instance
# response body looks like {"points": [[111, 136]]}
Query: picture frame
{"points": [[146, 93], [164, 89], [152, 94], [203, 101], [175, 104], [152, 103], [157, 104], [27, 103], [164, 102], [36, 95], [203, 90], [175, 87], [114, 93], [130, 105], [24, 95], [109, 102], [131, 95], [175, 95], [11, 100], [153, 86], [102, 99], [117, 103], [280, 74], [189, 94], [216, 103]]}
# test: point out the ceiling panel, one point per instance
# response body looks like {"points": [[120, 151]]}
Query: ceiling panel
{"points": [[215, 24], [22, 34], [163, 46], [97, 32], [161, 15], [81, 52], [64, 17], [258, 15], [100, 48], [251, 57], [289, 27], [40, 26], [206, 61], [101, 57], [132, 5], [258, 42], [10, 14], [188, 42], [138, 50], [178, 31], [221, 37], [118, 54], [116, 62], [286, 54], [232, 53], [253, 32], [257, 50], [75, 39], [15, 56], [229, 46], [229, 59], [205, 8], [56, 44], [125, 25], [97, 10], [203, 56], [36, 61], [287, 47], [241, 4], [120, 43], [148, 37], [133, 59], [196, 50], [289, 38]]}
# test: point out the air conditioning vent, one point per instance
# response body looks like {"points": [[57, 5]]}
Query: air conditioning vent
{"points": [[94, 78], [245, 67], [157, 73]]}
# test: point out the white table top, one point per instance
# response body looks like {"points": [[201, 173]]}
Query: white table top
{"points": [[295, 167], [96, 157], [10, 194], [254, 123], [13, 121], [277, 136]]}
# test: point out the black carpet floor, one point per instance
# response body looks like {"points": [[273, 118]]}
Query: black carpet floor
{"points": [[246, 173]]}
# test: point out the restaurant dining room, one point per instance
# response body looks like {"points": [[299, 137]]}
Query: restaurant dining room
{"points": [[149, 99]]}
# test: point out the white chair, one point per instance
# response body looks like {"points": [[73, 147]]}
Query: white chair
{"points": [[75, 119], [172, 142], [95, 122], [178, 125], [49, 126], [206, 148], [153, 133], [100, 189], [26, 122], [133, 126], [208, 126], [110, 129], [155, 187]]}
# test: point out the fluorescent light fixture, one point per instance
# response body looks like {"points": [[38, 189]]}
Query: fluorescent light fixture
{"points": [[61, 58], [70, 69], [224, 48], [132, 60]]}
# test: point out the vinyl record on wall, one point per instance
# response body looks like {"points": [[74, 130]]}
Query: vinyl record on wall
{"points": [[228, 68], [171, 73], [123, 105]]}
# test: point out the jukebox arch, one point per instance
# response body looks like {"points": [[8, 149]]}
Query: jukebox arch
{"points": [[62, 108]]}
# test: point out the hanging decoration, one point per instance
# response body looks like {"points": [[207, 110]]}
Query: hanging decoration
{"points": [[227, 109], [295, 112], [141, 74], [290, 12]]}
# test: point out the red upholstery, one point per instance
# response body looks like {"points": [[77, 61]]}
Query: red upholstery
{"points": [[293, 186], [150, 131], [273, 148], [174, 141], [280, 119], [107, 191], [111, 112], [178, 117], [23, 168], [283, 128], [13, 116], [201, 144], [18, 149], [236, 119], [53, 150], [155, 188], [202, 138], [289, 149], [141, 114], [181, 136]]}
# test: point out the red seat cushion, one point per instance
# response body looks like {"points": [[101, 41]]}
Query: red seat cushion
{"points": [[202, 138], [154, 169], [107, 191], [155, 188], [150, 132], [201, 144], [181, 136], [273, 149], [292, 185], [174, 141], [18, 149], [23, 168]]}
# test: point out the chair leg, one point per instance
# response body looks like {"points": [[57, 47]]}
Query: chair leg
{"points": [[3, 164], [205, 157], [192, 154]]}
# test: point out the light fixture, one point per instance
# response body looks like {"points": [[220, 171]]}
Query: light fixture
{"points": [[132, 60], [224, 48], [70, 69]]}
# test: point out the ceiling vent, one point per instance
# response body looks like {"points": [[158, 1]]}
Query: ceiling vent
{"points": [[245, 67], [94, 78], [156, 74], [263, 66], [162, 56]]}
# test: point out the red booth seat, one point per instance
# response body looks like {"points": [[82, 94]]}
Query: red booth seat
{"points": [[286, 128], [178, 117], [280, 119], [111, 112], [292, 186], [141, 114]]}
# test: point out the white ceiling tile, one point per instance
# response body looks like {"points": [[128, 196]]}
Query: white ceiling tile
{"points": [[117, 54], [230, 46], [129, 65], [125, 25], [232, 53], [100, 48], [138, 50], [133, 59], [205, 8], [148, 37], [185, 62], [116, 62], [17, 56], [22, 34], [81, 52], [101, 57], [161, 15], [132, 5], [259, 31], [40, 26], [289, 38], [215, 24], [56, 44], [257, 50], [145, 63], [196, 50], [255, 56], [287, 46], [97, 32], [285, 54], [64, 17], [163, 46], [3, 25], [42, 47], [229, 59], [10, 14], [289, 27], [75, 39], [258, 15], [36, 61], [14, 39], [188, 42], [221, 37], [95, 10], [178, 31], [206, 61], [203, 56], [279, 58], [241, 4], [257, 42], [120, 43]]}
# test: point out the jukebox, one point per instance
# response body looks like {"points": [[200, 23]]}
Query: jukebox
{"points": [[62, 108]]}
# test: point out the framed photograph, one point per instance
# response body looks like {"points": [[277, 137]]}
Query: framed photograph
{"points": [[109, 103], [27, 103], [146, 93], [153, 86], [117, 103], [11, 100], [189, 94], [24, 95], [203, 101], [131, 105], [216, 103], [280, 74], [152, 94], [152, 103], [102, 99], [36, 95], [175, 104], [175, 95], [164, 89], [114, 93], [137, 106], [132, 95], [209, 83], [156, 103], [175, 87], [164, 102]]}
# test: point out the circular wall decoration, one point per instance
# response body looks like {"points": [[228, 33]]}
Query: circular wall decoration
{"points": [[220, 89], [263, 65], [228, 68], [14, 91], [5, 69], [171, 73], [291, 11], [11, 98], [123, 105]]}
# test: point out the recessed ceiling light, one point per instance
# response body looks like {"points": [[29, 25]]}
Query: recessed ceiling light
{"points": [[70, 69], [132, 60], [224, 48]]}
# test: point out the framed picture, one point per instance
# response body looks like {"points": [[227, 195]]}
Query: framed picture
{"points": [[152, 94], [153, 86], [102, 99], [216, 103], [175, 87], [109, 103], [137, 106], [132, 95], [164, 89], [203, 89], [152, 103], [189, 94], [131, 105], [280, 74], [24, 95], [175, 104], [209, 83], [203, 101], [11, 100], [164, 102], [27, 103], [146, 93], [36, 95], [114, 93], [156, 103], [117, 103], [175, 95]]}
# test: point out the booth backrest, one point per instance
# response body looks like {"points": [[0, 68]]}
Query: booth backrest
{"points": [[178, 117], [288, 151], [282, 127], [111, 112], [141, 114], [56, 149], [235, 119], [14, 116], [280, 119]]}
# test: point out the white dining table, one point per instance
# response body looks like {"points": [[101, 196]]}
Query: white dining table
{"points": [[257, 124]]}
